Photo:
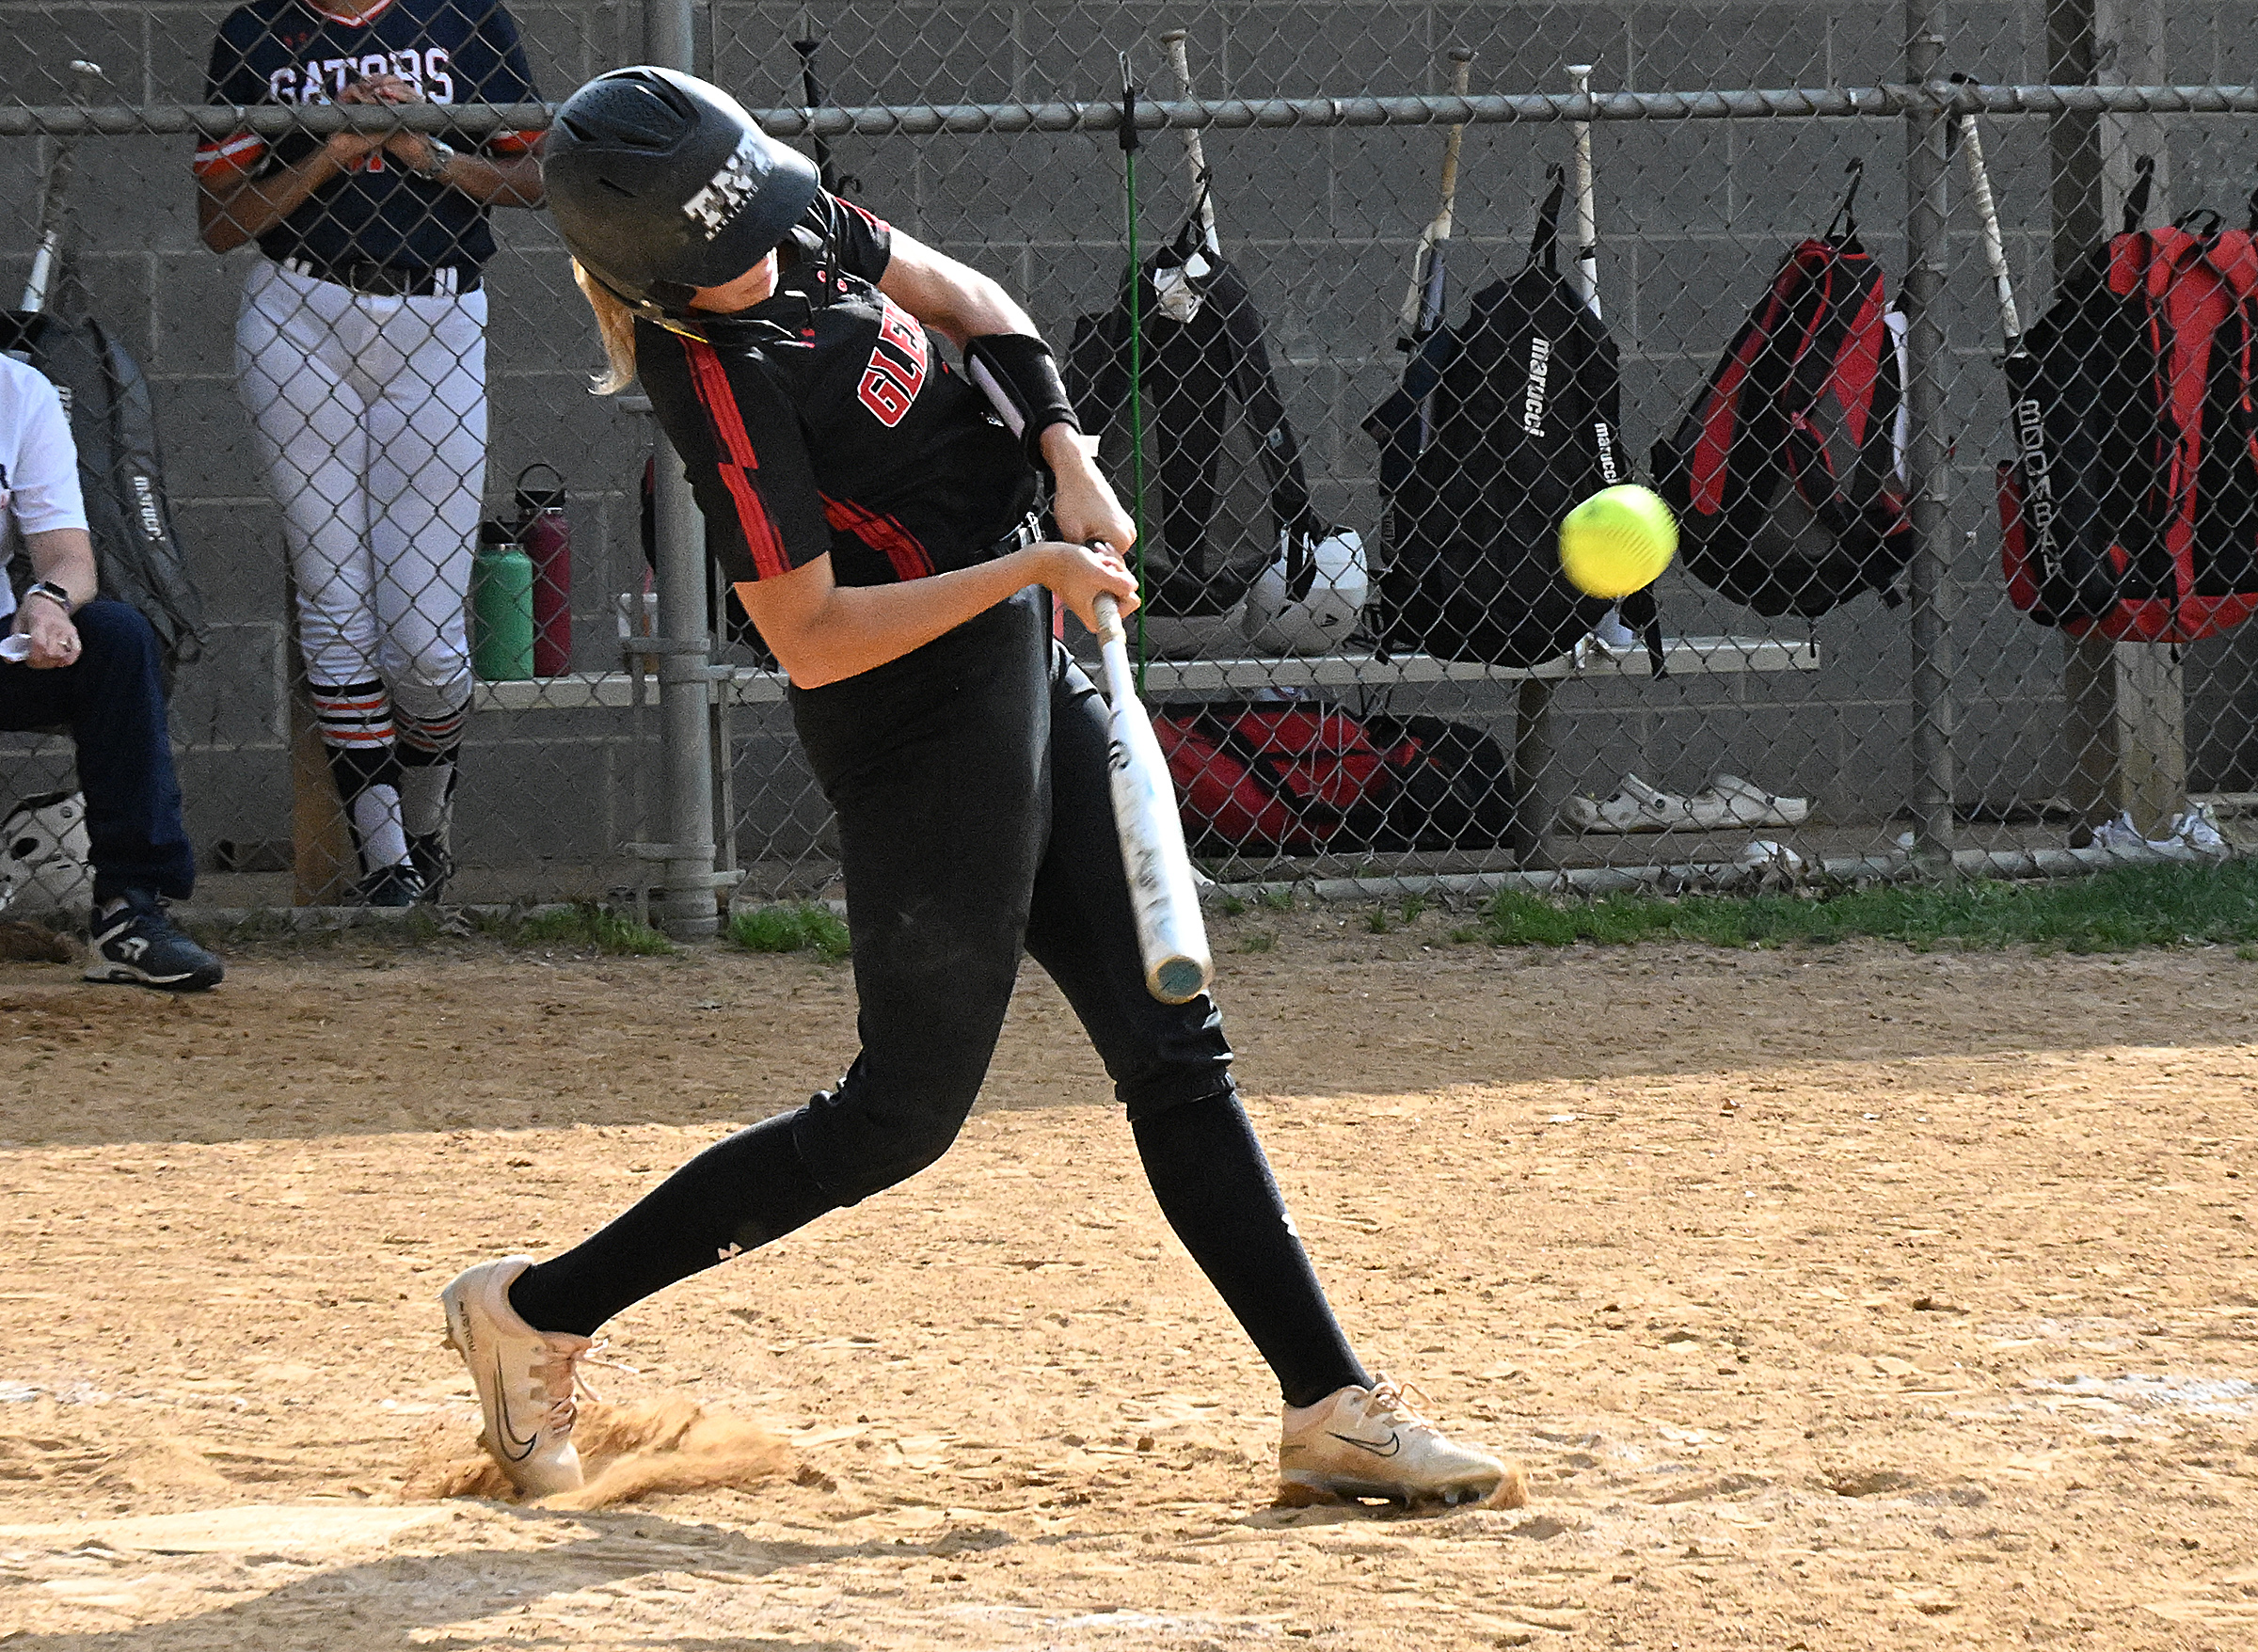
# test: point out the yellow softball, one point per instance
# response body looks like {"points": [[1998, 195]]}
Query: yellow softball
{"points": [[1617, 541]]}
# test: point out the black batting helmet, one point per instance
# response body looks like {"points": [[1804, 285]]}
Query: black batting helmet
{"points": [[662, 184]]}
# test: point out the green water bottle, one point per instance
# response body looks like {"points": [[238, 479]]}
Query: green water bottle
{"points": [[501, 607]]}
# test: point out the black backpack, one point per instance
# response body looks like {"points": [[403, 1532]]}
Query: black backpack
{"points": [[1786, 476], [2130, 509], [1206, 381], [1525, 422], [121, 470]]}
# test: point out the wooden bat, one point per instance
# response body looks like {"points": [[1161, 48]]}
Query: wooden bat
{"points": [[1170, 934], [1424, 305], [1587, 227], [1194, 152]]}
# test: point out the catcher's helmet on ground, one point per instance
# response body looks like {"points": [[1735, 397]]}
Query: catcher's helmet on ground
{"points": [[662, 184]]}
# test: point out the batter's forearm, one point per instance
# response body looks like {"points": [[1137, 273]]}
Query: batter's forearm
{"points": [[854, 628]]}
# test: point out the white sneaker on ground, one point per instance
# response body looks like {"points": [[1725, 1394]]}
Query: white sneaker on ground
{"points": [[1370, 1442], [527, 1379]]}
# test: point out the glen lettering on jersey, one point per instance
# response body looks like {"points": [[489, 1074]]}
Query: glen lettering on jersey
{"points": [[898, 366]]}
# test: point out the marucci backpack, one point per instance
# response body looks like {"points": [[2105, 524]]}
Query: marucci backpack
{"points": [[1788, 476], [121, 470], [2131, 508], [1525, 419]]}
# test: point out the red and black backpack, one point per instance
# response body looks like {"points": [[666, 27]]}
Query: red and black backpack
{"points": [[1788, 476], [1306, 778], [2130, 510]]}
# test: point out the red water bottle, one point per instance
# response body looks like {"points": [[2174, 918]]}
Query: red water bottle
{"points": [[546, 536]]}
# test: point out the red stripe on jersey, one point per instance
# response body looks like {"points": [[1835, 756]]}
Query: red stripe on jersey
{"points": [[712, 382], [226, 156], [868, 216], [910, 559], [369, 16]]}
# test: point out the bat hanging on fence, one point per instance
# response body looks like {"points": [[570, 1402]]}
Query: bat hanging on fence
{"points": [[1424, 303]]}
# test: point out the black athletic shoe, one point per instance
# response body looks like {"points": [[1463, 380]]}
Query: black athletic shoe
{"points": [[139, 944], [428, 853], [396, 885]]}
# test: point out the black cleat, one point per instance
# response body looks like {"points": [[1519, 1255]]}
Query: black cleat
{"points": [[396, 886], [428, 853], [139, 944]]}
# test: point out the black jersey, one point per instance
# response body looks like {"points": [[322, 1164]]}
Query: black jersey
{"points": [[823, 419], [294, 52]]}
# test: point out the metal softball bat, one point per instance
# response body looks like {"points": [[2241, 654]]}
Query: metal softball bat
{"points": [[1171, 937]]}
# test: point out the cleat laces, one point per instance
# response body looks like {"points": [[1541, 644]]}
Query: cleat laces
{"points": [[568, 1382]]}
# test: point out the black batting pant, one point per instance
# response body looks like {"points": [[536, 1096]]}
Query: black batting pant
{"points": [[976, 818]]}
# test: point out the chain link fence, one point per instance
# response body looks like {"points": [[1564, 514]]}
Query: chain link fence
{"points": [[1328, 721]]}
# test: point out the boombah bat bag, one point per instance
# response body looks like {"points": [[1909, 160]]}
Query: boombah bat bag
{"points": [[2131, 508], [120, 471], [1788, 476], [1524, 420]]}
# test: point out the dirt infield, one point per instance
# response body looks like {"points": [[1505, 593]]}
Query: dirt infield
{"points": [[1833, 1299]]}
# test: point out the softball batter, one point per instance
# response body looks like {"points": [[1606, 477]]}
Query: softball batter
{"points": [[875, 518], [360, 354]]}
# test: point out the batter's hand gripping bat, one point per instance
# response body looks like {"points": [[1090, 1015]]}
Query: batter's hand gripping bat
{"points": [[1171, 935]]}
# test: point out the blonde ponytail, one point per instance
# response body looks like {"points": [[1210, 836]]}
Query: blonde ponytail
{"points": [[615, 325]]}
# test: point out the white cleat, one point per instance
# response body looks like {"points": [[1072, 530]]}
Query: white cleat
{"points": [[527, 1379], [1371, 1442]]}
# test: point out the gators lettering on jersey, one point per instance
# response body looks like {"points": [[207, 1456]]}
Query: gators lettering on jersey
{"points": [[292, 52], [823, 419]]}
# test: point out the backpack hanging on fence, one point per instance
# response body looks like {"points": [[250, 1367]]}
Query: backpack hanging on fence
{"points": [[121, 470], [1525, 421], [1310, 779], [1208, 390], [1788, 475], [2131, 510]]}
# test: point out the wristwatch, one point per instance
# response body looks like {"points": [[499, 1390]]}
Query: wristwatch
{"points": [[52, 591], [434, 168]]}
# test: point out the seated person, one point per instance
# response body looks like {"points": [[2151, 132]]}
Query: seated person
{"points": [[93, 665]]}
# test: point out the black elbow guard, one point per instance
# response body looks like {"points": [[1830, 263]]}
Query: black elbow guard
{"points": [[1021, 381]]}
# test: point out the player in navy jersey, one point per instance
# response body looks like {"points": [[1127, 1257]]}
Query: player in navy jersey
{"points": [[872, 507], [360, 355]]}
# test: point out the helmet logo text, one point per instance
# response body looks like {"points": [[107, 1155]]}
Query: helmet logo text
{"points": [[715, 204]]}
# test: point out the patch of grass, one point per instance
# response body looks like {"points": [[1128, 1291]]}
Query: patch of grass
{"points": [[2109, 912], [1413, 906], [1232, 906], [585, 926], [800, 927], [1278, 899], [1260, 943]]}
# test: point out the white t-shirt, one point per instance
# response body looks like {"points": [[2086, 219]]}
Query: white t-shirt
{"points": [[39, 464]]}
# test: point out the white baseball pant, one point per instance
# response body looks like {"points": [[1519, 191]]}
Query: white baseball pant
{"points": [[371, 414]]}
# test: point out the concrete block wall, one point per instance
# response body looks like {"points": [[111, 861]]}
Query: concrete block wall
{"points": [[1693, 218]]}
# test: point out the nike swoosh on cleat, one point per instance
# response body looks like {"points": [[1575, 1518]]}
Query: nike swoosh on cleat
{"points": [[1394, 1444], [511, 1447]]}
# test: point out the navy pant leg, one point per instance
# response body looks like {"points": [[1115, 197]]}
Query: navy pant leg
{"points": [[113, 702]]}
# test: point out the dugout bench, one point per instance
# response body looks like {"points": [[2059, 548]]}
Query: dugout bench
{"points": [[1533, 740]]}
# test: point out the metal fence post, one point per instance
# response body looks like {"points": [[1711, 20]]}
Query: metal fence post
{"points": [[1927, 249], [685, 679]]}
